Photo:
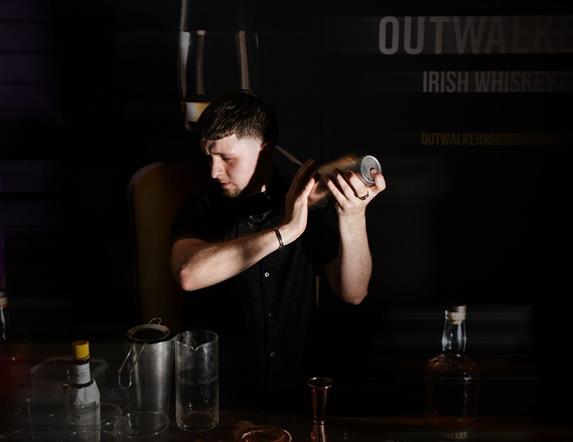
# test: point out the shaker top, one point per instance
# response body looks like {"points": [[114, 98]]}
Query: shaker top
{"points": [[367, 163]]}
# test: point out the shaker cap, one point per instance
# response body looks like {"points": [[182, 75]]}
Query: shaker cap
{"points": [[367, 163], [81, 350]]}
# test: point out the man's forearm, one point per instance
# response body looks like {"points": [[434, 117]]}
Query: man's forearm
{"points": [[204, 264], [354, 261], [350, 273]]}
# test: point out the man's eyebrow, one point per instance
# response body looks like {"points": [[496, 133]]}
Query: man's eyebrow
{"points": [[206, 148]]}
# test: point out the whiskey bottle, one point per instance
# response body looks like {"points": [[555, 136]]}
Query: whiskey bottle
{"points": [[2, 267], [6, 362], [452, 379], [3, 318]]}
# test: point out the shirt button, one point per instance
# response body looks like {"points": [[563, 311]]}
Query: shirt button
{"points": [[272, 354], [269, 314], [267, 274]]}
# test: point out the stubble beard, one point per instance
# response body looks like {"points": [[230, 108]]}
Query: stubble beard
{"points": [[231, 192]]}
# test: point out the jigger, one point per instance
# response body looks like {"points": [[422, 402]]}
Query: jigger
{"points": [[319, 387]]}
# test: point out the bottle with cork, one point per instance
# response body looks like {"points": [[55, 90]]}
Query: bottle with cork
{"points": [[452, 379], [82, 395]]}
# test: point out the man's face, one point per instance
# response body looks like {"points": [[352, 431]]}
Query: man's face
{"points": [[233, 162]]}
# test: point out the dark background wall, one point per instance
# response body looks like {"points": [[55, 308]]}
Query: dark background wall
{"points": [[89, 94]]}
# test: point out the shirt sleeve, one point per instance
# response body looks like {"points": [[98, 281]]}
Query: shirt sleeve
{"points": [[192, 219]]}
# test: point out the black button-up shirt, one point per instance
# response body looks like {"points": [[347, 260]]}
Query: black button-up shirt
{"points": [[263, 315]]}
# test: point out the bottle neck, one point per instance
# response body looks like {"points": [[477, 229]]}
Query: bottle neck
{"points": [[454, 336], [81, 374]]}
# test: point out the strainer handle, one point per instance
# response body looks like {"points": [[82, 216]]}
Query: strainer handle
{"points": [[157, 320]]}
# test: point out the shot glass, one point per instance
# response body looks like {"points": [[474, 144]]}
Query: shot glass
{"points": [[319, 387], [196, 380]]}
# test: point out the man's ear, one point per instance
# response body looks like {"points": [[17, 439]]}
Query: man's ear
{"points": [[264, 145]]}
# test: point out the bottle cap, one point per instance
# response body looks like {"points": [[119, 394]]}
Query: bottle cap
{"points": [[81, 350], [3, 301]]}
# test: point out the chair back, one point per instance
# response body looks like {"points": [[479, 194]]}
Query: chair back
{"points": [[156, 193]]}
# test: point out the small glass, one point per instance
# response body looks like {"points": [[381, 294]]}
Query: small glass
{"points": [[88, 435], [148, 426], [197, 380], [263, 433], [41, 416], [319, 387], [104, 421], [45, 410]]}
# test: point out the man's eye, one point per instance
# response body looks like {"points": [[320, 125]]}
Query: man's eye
{"points": [[226, 158]]}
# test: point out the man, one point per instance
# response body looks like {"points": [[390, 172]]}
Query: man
{"points": [[251, 248]]}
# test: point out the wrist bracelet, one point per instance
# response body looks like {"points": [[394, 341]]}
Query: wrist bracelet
{"points": [[280, 238]]}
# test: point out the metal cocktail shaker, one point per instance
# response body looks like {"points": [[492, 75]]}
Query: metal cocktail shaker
{"points": [[149, 367], [361, 165]]}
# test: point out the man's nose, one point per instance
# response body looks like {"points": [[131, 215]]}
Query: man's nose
{"points": [[216, 168]]}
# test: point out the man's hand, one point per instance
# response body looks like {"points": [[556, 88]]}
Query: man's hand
{"points": [[351, 194], [296, 205]]}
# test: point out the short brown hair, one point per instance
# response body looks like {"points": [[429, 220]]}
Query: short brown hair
{"points": [[241, 113]]}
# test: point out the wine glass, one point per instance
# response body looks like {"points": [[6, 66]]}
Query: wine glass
{"points": [[213, 60]]}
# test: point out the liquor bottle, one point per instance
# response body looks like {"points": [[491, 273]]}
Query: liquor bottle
{"points": [[2, 267], [12, 371], [3, 295], [82, 395], [3, 318], [452, 379], [14, 363], [6, 394]]}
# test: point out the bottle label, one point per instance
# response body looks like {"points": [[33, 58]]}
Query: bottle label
{"points": [[81, 398], [456, 317], [82, 374]]}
